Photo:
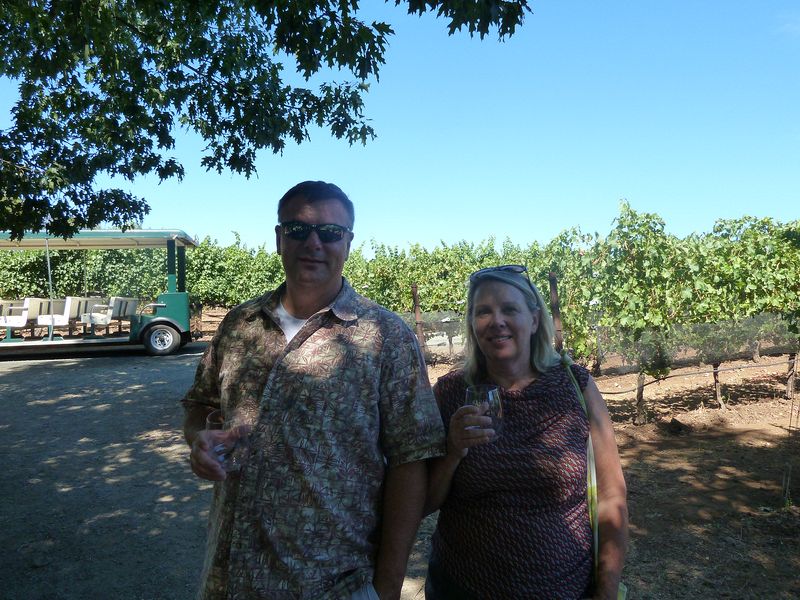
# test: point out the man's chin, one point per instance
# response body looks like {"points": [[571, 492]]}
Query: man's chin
{"points": [[312, 277]]}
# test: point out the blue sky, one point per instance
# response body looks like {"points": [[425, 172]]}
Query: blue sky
{"points": [[687, 109]]}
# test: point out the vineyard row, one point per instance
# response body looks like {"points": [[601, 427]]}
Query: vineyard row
{"points": [[646, 286]]}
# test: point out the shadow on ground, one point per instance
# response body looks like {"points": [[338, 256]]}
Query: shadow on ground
{"points": [[98, 500]]}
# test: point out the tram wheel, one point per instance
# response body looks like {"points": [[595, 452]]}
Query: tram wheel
{"points": [[161, 339]]}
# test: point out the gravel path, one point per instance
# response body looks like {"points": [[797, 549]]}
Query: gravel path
{"points": [[98, 500]]}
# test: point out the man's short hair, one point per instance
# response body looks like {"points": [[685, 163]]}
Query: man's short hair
{"points": [[315, 191]]}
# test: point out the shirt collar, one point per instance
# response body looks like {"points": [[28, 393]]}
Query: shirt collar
{"points": [[344, 305]]}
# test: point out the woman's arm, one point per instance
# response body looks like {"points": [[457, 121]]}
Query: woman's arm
{"points": [[467, 428], [612, 505]]}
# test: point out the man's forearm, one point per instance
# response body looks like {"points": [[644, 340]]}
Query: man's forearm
{"points": [[440, 476], [403, 501]]}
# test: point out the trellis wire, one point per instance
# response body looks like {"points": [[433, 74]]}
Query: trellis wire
{"points": [[720, 370]]}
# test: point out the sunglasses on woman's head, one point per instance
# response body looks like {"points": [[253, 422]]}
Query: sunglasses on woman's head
{"points": [[326, 232], [518, 269]]}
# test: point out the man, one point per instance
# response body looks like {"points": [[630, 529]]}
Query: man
{"points": [[335, 394]]}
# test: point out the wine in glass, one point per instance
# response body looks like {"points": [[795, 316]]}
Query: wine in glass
{"points": [[479, 394]]}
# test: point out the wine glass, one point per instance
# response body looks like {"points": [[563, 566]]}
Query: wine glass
{"points": [[231, 449], [490, 394]]}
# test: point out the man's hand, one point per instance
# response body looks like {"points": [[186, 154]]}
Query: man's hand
{"points": [[205, 462]]}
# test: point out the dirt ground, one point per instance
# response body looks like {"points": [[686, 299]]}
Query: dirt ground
{"points": [[98, 502]]}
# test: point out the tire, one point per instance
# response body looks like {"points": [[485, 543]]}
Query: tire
{"points": [[161, 339], [186, 337]]}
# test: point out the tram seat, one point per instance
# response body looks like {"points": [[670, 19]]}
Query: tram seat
{"points": [[118, 308], [126, 311], [87, 304], [68, 313], [24, 314], [98, 312], [129, 310], [6, 304], [51, 307]]}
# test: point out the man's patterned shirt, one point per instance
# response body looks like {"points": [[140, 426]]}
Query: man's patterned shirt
{"points": [[347, 398]]}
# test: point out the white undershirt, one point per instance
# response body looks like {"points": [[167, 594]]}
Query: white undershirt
{"points": [[289, 324]]}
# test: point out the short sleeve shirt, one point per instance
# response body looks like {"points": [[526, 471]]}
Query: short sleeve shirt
{"points": [[347, 398]]}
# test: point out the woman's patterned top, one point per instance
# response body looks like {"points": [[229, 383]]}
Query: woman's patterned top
{"points": [[516, 522]]}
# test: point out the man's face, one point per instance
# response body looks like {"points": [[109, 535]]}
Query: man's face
{"points": [[310, 261]]}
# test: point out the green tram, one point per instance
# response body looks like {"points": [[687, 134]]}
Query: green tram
{"points": [[162, 326]]}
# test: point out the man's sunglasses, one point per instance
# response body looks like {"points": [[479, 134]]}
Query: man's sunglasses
{"points": [[518, 269], [326, 232]]}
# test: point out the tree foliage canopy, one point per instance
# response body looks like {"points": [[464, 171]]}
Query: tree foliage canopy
{"points": [[104, 84]]}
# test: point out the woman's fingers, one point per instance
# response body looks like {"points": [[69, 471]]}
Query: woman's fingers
{"points": [[471, 417], [473, 436], [468, 428]]}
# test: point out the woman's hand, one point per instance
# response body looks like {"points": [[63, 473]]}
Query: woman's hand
{"points": [[468, 428]]}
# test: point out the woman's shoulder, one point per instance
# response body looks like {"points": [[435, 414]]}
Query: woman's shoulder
{"points": [[456, 377], [450, 388], [581, 374], [558, 372]]}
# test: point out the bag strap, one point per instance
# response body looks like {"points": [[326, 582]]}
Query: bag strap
{"points": [[591, 480], [591, 471]]}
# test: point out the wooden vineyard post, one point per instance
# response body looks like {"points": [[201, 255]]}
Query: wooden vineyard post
{"points": [[641, 410], [794, 428], [555, 308], [418, 319], [718, 387]]}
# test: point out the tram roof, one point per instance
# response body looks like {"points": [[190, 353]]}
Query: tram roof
{"points": [[100, 239]]}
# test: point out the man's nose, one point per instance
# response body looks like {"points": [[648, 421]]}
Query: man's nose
{"points": [[313, 241]]}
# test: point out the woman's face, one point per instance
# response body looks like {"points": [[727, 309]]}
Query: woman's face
{"points": [[503, 324]]}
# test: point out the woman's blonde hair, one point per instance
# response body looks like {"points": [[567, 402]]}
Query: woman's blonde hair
{"points": [[543, 354]]}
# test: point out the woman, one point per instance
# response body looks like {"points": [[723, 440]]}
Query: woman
{"points": [[513, 520]]}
